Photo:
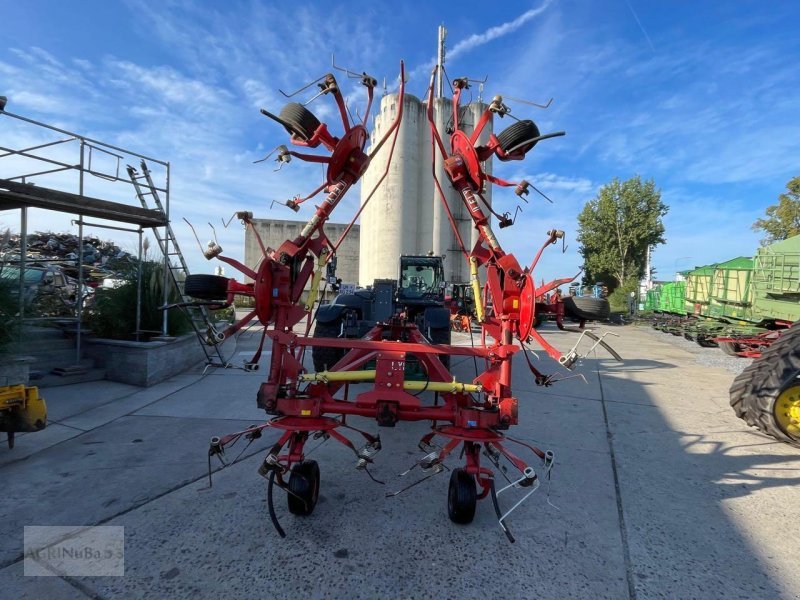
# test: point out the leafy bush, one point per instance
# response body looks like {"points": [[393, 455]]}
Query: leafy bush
{"points": [[618, 299], [114, 312]]}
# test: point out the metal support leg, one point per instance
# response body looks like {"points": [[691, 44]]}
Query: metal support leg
{"points": [[79, 299], [23, 260], [139, 289]]}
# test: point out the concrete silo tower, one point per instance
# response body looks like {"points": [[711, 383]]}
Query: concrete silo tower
{"points": [[406, 214]]}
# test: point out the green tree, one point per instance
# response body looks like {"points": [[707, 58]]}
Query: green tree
{"points": [[616, 228], [783, 218]]}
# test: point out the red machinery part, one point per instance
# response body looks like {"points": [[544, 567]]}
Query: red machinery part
{"points": [[470, 414]]}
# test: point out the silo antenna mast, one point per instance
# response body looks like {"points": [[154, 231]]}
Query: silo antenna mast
{"points": [[440, 57]]}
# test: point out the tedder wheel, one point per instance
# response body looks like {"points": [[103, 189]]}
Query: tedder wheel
{"points": [[442, 336], [516, 134], [766, 395], [730, 348], [304, 485], [538, 319], [462, 496], [705, 342], [325, 358], [586, 307], [206, 287], [299, 121]]}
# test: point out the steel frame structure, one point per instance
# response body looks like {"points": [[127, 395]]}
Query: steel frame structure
{"points": [[22, 195]]}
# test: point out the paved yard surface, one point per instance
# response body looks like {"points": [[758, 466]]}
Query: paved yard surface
{"points": [[658, 492]]}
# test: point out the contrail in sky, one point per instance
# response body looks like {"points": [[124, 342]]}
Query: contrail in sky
{"points": [[639, 23], [478, 39]]}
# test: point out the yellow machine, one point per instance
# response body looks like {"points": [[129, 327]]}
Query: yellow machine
{"points": [[21, 410]]}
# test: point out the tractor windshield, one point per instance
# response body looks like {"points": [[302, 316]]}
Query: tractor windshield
{"points": [[421, 277]]}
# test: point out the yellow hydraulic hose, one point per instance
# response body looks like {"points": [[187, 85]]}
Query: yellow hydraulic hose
{"points": [[476, 288], [369, 375]]}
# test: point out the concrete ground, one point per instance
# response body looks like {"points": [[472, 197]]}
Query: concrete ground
{"points": [[658, 491]]}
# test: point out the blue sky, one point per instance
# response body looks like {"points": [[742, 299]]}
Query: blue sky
{"points": [[702, 97]]}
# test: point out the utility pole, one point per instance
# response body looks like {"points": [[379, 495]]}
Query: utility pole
{"points": [[440, 56]]}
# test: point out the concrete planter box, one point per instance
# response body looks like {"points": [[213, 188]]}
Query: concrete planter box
{"points": [[15, 370], [145, 363]]}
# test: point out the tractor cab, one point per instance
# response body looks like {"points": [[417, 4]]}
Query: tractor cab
{"points": [[421, 280]]}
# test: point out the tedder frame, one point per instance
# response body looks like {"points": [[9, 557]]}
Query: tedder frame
{"points": [[470, 417]]}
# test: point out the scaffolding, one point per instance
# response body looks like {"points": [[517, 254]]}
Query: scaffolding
{"points": [[53, 169]]}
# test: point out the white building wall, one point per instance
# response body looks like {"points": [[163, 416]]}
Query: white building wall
{"points": [[274, 232]]}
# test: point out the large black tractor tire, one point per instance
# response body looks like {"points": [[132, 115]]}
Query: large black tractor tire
{"points": [[516, 134], [442, 336], [730, 348], [462, 497], [304, 488], [325, 358], [299, 121], [206, 287], [766, 395], [586, 307]]}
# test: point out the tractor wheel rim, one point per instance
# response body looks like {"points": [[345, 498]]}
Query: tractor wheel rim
{"points": [[787, 411]]}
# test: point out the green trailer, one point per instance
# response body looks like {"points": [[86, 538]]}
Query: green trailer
{"points": [[698, 289], [776, 282], [730, 298], [651, 297], [671, 299]]}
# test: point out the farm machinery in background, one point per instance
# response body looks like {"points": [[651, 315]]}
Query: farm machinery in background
{"points": [[22, 410], [461, 303], [469, 418], [418, 294], [748, 307]]}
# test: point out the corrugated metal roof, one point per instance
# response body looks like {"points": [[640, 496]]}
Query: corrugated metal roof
{"points": [[706, 270], [741, 263], [789, 245]]}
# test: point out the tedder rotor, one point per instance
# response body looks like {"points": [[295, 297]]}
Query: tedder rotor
{"points": [[470, 417]]}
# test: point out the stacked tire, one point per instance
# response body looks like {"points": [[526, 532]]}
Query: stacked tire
{"points": [[587, 308]]}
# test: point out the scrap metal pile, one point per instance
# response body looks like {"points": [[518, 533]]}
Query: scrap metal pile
{"points": [[101, 258], [469, 419]]}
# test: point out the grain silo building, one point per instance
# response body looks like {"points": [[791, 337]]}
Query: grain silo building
{"points": [[406, 214]]}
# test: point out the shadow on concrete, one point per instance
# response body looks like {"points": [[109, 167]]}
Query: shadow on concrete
{"points": [[692, 486]]}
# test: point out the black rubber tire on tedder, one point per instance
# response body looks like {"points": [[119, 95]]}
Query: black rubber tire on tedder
{"points": [[755, 390], [304, 485], [206, 287], [515, 134], [299, 121], [706, 342], [462, 497], [730, 348], [325, 358], [586, 307]]}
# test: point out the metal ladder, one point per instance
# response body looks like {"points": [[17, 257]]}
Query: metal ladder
{"points": [[198, 316]]}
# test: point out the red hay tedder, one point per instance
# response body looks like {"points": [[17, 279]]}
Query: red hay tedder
{"points": [[472, 415]]}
